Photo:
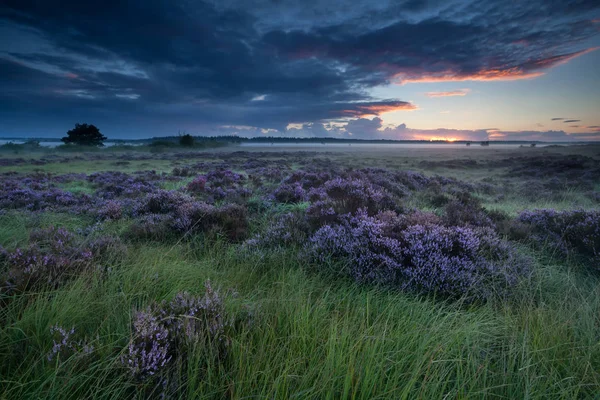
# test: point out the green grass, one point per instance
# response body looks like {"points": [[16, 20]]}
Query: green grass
{"points": [[315, 338], [311, 335]]}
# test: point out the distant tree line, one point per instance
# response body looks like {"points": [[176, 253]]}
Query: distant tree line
{"points": [[278, 139]]}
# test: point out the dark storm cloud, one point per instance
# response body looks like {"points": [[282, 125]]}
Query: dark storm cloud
{"points": [[206, 62]]}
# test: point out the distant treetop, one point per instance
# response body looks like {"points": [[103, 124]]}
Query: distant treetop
{"points": [[84, 135], [186, 140]]}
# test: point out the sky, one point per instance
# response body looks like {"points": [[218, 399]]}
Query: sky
{"points": [[367, 69]]}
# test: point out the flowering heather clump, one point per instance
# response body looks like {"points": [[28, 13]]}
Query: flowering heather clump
{"points": [[151, 227], [110, 210], [197, 184], [308, 180], [395, 224], [289, 193], [235, 194], [148, 352], [69, 177], [449, 261], [575, 231], [317, 194], [112, 184], [220, 185], [466, 210], [190, 215], [359, 240], [223, 178], [342, 196], [348, 195], [108, 249], [53, 257], [40, 199], [288, 229], [65, 346], [454, 261], [160, 202], [321, 212], [269, 174], [412, 180], [164, 334], [384, 178], [230, 219], [182, 171]]}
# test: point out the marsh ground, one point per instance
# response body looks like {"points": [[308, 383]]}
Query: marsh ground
{"points": [[302, 329]]}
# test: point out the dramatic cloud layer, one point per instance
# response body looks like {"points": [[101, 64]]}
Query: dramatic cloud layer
{"points": [[264, 64]]}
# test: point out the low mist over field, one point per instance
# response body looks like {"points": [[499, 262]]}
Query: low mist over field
{"points": [[316, 200]]}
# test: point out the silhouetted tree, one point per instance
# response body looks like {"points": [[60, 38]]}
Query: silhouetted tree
{"points": [[84, 135], [186, 140]]}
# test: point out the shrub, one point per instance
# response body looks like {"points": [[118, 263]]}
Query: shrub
{"points": [[288, 229], [341, 196], [308, 180], [53, 257], [289, 193], [164, 336], [160, 202], [457, 261], [395, 224], [448, 261], [321, 213], [359, 240], [576, 231], [65, 346], [111, 184], [348, 195], [230, 219], [223, 178], [40, 199], [182, 172], [108, 250], [466, 211], [391, 181], [110, 210], [197, 184], [151, 227]]}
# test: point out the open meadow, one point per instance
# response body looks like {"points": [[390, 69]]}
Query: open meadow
{"points": [[348, 272]]}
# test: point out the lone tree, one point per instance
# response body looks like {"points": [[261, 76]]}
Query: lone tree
{"points": [[84, 135], [186, 140]]}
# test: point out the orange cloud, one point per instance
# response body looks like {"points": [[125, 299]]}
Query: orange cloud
{"points": [[528, 70], [370, 109], [460, 92], [510, 74]]}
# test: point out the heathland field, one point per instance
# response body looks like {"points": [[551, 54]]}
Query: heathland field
{"points": [[320, 273]]}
